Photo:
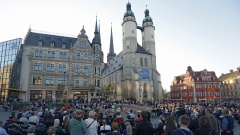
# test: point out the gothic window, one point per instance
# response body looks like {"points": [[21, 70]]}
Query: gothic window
{"points": [[145, 61], [141, 61], [78, 56]]}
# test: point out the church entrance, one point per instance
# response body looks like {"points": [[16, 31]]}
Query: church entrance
{"points": [[145, 94]]}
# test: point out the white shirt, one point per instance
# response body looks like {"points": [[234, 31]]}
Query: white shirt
{"points": [[92, 129], [107, 127], [34, 119]]}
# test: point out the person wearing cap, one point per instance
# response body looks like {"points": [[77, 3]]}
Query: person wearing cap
{"points": [[76, 125]]}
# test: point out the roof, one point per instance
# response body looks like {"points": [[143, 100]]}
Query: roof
{"points": [[113, 65], [232, 75], [33, 37], [140, 49]]}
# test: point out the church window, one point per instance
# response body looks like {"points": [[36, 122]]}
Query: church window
{"points": [[145, 61], [52, 44], [152, 36], [141, 61], [127, 47], [83, 44], [78, 56], [132, 31]]}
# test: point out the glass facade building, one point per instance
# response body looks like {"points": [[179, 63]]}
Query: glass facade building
{"points": [[8, 54]]}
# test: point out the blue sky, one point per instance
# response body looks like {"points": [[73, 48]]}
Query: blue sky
{"points": [[204, 34]]}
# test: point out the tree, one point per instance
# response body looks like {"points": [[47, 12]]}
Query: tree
{"points": [[60, 88], [108, 90]]}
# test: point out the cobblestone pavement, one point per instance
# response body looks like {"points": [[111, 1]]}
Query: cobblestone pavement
{"points": [[5, 115]]}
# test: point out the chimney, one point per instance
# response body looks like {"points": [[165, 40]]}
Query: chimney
{"points": [[231, 71]]}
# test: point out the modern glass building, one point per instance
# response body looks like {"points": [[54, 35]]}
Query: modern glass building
{"points": [[8, 54]]}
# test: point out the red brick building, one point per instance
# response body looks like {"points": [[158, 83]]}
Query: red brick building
{"points": [[195, 86]]}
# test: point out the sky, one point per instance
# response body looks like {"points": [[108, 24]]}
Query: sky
{"points": [[204, 34]]}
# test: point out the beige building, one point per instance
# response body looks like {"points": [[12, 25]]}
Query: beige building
{"points": [[60, 67], [230, 85]]}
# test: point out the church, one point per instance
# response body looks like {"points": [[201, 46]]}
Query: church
{"points": [[133, 72], [50, 66]]}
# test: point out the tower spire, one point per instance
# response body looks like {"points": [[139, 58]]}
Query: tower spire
{"points": [[96, 39], [96, 28], [99, 30], [111, 53]]}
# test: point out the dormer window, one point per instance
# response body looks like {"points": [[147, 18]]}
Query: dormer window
{"points": [[63, 45], [52, 44], [40, 42], [83, 44]]}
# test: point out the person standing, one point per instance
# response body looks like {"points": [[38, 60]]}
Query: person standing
{"points": [[227, 123], [184, 121], [92, 125], [205, 127], [144, 127], [2, 130], [76, 125], [215, 125]]}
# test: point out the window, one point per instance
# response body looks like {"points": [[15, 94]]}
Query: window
{"points": [[78, 56], [50, 67], [52, 44], [62, 68], [85, 69], [145, 62], [39, 53], [83, 44], [63, 45], [85, 57], [62, 80], [127, 47], [49, 80], [85, 82], [96, 58], [209, 86], [63, 55], [40, 42], [37, 80], [141, 61], [76, 82], [77, 69], [132, 31], [38, 66], [51, 54]]}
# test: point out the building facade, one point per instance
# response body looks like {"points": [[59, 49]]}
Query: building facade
{"points": [[56, 67], [133, 72], [9, 51], [195, 86], [230, 85]]}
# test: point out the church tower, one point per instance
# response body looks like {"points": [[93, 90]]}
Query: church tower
{"points": [[148, 36], [129, 37], [111, 53]]}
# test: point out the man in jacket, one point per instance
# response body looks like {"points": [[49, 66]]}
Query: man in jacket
{"points": [[184, 121], [215, 124], [227, 123], [144, 127], [76, 125]]}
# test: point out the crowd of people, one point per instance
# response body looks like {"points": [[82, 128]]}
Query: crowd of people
{"points": [[108, 118]]}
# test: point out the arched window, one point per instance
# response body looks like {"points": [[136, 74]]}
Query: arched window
{"points": [[52, 44], [96, 58], [145, 61], [78, 56], [85, 57], [83, 44], [141, 61]]}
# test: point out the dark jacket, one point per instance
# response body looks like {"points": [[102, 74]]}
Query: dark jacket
{"points": [[205, 131], [193, 126], [144, 127], [181, 131]]}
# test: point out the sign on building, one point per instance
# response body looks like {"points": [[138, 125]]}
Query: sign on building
{"points": [[144, 74]]}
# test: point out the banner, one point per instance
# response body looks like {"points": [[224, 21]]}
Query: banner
{"points": [[144, 74]]}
